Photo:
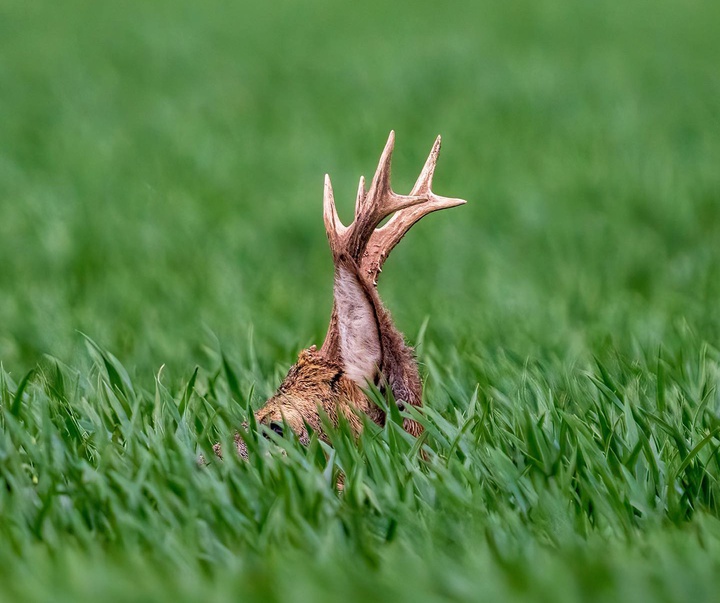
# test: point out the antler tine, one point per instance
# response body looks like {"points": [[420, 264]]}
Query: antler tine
{"points": [[378, 203], [424, 181], [383, 240], [360, 198], [380, 184], [381, 200], [334, 228]]}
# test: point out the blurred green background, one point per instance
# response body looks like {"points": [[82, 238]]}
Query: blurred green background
{"points": [[161, 169]]}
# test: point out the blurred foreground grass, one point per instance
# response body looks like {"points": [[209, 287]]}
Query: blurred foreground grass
{"points": [[160, 191]]}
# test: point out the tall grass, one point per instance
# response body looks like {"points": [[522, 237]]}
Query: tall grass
{"points": [[162, 261], [527, 474]]}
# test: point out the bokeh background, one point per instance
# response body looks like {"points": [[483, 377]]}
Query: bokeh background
{"points": [[161, 172]]}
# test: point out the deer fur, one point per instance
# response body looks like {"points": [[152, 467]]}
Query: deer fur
{"points": [[362, 346]]}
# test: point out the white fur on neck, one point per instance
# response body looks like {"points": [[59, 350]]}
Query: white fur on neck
{"points": [[359, 335]]}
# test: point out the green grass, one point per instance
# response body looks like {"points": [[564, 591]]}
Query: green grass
{"points": [[163, 260]]}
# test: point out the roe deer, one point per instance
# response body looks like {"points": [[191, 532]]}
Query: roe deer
{"points": [[362, 345]]}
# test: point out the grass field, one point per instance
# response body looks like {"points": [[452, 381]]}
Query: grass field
{"points": [[163, 260]]}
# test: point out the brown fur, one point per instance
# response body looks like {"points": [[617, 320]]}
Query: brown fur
{"points": [[362, 345], [317, 382], [312, 385]]}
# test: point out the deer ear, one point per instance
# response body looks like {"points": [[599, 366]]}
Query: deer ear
{"points": [[359, 329]]}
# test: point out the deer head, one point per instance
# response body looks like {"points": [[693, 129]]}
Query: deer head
{"points": [[362, 345]]}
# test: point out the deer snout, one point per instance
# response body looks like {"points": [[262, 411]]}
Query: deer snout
{"points": [[283, 415]]}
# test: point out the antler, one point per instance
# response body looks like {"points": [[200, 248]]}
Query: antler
{"points": [[367, 244]]}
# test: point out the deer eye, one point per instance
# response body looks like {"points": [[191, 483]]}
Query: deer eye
{"points": [[277, 428]]}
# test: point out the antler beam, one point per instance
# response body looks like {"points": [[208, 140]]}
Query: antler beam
{"points": [[363, 240]]}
